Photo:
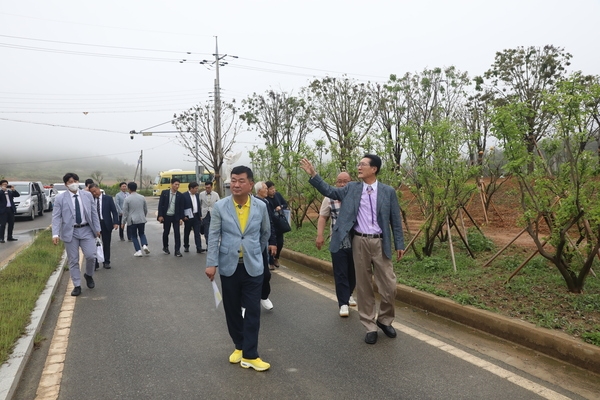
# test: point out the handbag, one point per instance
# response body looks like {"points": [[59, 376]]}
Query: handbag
{"points": [[281, 223], [99, 251]]}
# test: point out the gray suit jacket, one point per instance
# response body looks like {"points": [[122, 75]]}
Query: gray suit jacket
{"points": [[63, 215], [388, 212], [225, 237], [135, 209]]}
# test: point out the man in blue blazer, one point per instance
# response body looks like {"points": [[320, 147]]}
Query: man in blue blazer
{"points": [[369, 209], [191, 218], [170, 213], [7, 210], [239, 232], [75, 222], [109, 220]]}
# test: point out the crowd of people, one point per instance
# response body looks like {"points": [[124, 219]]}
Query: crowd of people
{"points": [[244, 242]]}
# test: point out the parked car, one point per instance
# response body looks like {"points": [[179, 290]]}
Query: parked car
{"points": [[28, 204], [42, 197], [60, 187], [51, 194]]}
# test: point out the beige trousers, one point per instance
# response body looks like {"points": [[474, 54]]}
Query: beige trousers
{"points": [[369, 261]]}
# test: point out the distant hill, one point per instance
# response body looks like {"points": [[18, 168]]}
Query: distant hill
{"points": [[51, 172]]}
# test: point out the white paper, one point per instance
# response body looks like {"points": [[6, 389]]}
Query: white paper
{"points": [[218, 296], [188, 213]]}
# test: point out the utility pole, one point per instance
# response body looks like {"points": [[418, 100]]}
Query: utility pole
{"points": [[196, 135], [218, 118], [141, 168]]}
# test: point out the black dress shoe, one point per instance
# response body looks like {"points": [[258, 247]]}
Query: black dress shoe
{"points": [[387, 329], [106, 266], [166, 251], [371, 337], [186, 250], [76, 291], [12, 239], [178, 254], [90, 281], [201, 251], [2, 241]]}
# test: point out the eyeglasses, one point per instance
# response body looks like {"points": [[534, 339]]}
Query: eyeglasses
{"points": [[341, 181], [363, 164]]}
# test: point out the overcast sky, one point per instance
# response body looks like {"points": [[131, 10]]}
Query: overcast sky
{"points": [[119, 61]]}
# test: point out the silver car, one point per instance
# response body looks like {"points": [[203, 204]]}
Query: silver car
{"points": [[28, 204]]}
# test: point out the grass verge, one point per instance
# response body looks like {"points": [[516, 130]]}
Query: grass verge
{"points": [[21, 283], [538, 294]]}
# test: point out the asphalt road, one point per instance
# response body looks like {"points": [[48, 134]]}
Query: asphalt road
{"points": [[24, 231], [150, 330]]}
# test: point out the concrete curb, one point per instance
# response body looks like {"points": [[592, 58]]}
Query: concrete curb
{"points": [[10, 371], [554, 344]]}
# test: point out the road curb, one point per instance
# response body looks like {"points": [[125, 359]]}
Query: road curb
{"points": [[555, 344], [10, 371]]}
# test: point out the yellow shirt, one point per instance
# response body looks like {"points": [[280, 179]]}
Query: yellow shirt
{"points": [[243, 212]]}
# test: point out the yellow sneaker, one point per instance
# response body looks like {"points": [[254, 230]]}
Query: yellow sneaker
{"points": [[257, 364], [235, 357]]}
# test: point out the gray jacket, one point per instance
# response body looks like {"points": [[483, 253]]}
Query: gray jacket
{"points": [[134, 209], [388, 212]]}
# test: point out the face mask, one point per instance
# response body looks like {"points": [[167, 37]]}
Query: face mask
{"points": [[73, 187]]}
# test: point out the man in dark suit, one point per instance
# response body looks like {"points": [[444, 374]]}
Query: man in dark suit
{"points": [[109, 220], [191, 218], [369, 208], [7, 210], [170, 212]]}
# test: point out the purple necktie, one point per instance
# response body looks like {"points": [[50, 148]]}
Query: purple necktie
{"points": [[369, 192]]}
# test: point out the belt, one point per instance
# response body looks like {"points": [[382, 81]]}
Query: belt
{"points": [[240, 260], [80, 225], [369, 235]]}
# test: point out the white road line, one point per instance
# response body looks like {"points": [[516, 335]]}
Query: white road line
{"points": [[463, 355]]}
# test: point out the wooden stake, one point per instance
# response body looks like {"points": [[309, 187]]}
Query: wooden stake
{"points": [[450, 241]]}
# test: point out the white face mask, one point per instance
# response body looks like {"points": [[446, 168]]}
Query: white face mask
{"points": [[73, 187]]}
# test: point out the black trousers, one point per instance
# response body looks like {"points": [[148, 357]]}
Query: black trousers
{"points": [[242, 290], [106, 238], [343, 275], [7, 218], [206, 227], [121, 229], [266, 286], [167, 222], [192, 225]]}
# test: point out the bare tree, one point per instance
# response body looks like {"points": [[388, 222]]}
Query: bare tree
{"points": [[343, 111], [210, 151], [97, 176]]}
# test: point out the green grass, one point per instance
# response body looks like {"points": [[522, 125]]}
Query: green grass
{"points": [[21, 283], [537, 294]]}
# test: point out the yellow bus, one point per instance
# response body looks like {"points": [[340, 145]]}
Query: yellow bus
{"points": [[163, 180]]}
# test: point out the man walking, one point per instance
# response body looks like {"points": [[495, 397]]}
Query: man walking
{"points": [[109, 220], [239, 232], [170, 213], [75, 222], [191, 219], [342, 261], [369, 208], [7, 210], [119, 200], [208, 198]]}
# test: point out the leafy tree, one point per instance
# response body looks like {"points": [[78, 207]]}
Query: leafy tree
{"points": [[524, 75], [210, 151], [342, 110], [564, 200], [283, 121], [435, 167]]}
